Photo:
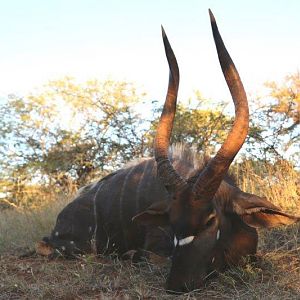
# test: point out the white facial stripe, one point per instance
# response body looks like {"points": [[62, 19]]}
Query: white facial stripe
{"points": [[175, 241], [186, 240], [213, 259], [218, 234]]}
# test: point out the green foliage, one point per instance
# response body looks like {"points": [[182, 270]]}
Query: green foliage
{"points": [[278, 117], [287, 97], [202, 128], [67, 133], [196, 126]]}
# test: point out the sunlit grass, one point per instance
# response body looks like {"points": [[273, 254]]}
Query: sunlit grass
{"points": [[20, 228], [280, 183]]}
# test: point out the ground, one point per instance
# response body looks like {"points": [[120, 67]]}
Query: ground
{"points": [[275, 275]]}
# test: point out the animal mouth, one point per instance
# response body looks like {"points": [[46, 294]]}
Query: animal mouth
{"points": [[192, 283]]}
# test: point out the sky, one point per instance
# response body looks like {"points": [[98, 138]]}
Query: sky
{"points": [[121, 40]]}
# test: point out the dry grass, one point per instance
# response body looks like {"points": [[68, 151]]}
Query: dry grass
{"points": [[21, 228], [275, 274], [280, 183]]}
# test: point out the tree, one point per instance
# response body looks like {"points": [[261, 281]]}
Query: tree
{"points": [[67, 133], [287, 99], [278, 117], [203, 129], [201, 124]]}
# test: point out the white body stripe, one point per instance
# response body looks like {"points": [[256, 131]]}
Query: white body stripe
{"points": [[93, 240], [138, 190], [121, 198]]}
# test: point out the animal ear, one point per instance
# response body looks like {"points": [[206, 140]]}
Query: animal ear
{"points": [[258, 212], [156, 214]]}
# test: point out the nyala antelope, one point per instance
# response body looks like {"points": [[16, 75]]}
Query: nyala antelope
{"points": [[176, 204]]}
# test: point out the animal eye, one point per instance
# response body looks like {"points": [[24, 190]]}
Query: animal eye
{"points": [[210, 221]]}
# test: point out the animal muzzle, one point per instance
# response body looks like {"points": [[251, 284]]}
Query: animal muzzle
{"points": [[185, 276], [191, 267]]}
